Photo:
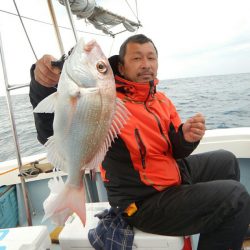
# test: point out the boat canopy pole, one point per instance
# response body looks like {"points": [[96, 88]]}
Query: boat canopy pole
{"points": [[66, 2], [13, 125], [55, 24], [25, 31]]}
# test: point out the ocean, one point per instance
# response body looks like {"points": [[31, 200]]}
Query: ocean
{"points": [[223, 99]]}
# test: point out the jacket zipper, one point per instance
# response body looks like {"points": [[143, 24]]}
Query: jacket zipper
{"points": [[142, 147], [151, 92]]}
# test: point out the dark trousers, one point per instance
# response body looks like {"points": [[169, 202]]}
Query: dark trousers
{"points": [[211, 201]]}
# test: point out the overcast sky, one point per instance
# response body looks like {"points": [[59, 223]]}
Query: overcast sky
{"points": [[193, 37]]}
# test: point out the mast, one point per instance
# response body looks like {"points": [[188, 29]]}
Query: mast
{"points": [[55, 24]]}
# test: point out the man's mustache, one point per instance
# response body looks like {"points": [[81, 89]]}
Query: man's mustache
{"points": [[145, 72]]}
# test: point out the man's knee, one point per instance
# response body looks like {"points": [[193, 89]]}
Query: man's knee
{"points": [[226, 155], [231, 201], [238, 195], [230, 217], [231, 164]]}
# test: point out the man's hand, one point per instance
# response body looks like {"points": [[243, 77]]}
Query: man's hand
{"points": [[194, 128], [46, 74]]}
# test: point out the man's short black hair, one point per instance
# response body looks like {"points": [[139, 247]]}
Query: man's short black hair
{"points": [[139, 38]]}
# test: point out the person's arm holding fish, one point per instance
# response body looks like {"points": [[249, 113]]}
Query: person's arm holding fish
{"points": [[44, 78]]}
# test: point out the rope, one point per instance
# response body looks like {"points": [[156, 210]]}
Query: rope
{"points": [[136, 7], [8, 171], [136, 15], [39, 21], [25, 165], [112, 44]]}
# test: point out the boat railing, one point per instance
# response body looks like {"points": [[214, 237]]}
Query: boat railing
{"points": [[8, 88]]}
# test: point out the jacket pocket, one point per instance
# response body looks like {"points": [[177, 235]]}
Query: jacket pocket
{"points": [[141, 147]]}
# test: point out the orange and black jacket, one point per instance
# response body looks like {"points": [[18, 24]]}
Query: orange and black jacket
{"points": [[142, 160]]}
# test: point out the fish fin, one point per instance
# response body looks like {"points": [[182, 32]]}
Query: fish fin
{"points": [[54, 156], [47, 105], [64, 200], [120, 118]]}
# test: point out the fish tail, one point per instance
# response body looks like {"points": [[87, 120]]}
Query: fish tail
{"points": [[64, 199]]}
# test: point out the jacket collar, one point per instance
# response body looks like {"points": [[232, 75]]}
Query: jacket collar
{"points": [[134, 91]]}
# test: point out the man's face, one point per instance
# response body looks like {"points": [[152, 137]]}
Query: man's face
{"points": [[140, 62]]}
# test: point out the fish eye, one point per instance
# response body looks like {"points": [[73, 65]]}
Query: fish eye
{"points": [[101, 67]]}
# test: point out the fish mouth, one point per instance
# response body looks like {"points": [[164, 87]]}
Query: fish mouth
{"points": [[89, 46]]}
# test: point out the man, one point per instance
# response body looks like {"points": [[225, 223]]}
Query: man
{"points": [[148, 172]]}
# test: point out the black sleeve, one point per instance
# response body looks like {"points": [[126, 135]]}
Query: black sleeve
{"points": [[43, 121], [181, 148]]}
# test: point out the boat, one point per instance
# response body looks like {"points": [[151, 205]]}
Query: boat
{"points": [[236, 140], [24, 181]]}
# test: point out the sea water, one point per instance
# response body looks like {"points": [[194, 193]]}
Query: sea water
{"points": [[224, 100]]}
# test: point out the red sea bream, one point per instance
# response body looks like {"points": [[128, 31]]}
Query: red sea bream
{"points": [[88, 116]]}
